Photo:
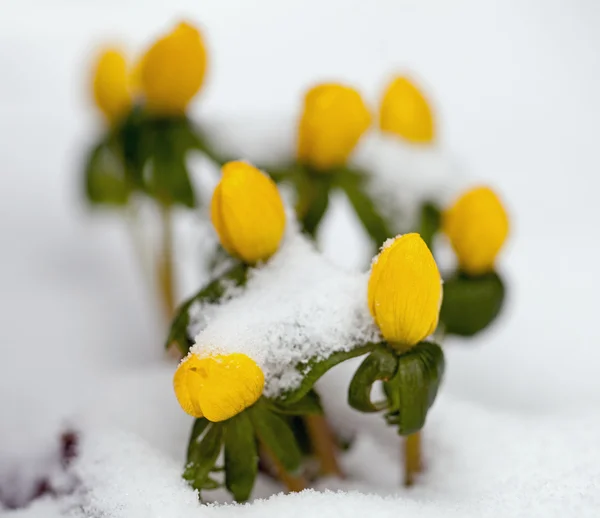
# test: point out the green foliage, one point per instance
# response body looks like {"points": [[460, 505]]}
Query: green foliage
{"points": [[471, 303], [431, 219], [410, 380], [241, 456], [210, 294], [104, 176], [202, 455], [413, 389]]}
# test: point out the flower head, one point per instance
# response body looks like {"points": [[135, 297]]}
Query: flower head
{"points": [[333, 119], [477, 226], [173, 69], [217, 387], [405, 112], [111, 85], [405, 291], [247, 212]]}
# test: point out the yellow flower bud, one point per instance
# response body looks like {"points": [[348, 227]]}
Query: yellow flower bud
{"points": [[173, 69], [477, 226], [333, 120], [111, 85], [405, 112], [405, 291], [247, 212], [217, 387]]}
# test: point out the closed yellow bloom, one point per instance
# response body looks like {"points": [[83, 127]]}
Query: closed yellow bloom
{"points": [[173, 69], [477, 226], [333, 120], [111, 85], [405, 112], [247, 212], [217, 387], [405, 291]]}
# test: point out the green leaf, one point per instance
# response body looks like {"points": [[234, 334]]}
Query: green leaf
{"points": [[413, 389], [430, 223], [198, 141], [105, 181], [203, 456], [170, 181], [354, 184], [210, 294], [200, 425], [314, 369], [276, 436], [380, 365], [241, 456], [312, 190], [310, 404], [471, 304]]}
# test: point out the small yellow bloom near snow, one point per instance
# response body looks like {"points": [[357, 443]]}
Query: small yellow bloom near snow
{"points": [[173, 70], [477, 226], [405, 291], [217, 387], [405, 112], [111, 85], [333, 119], [247, 212]]}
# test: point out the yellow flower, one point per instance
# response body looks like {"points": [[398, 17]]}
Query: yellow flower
{"points": [[173, 69], [477, 226], [405, 112], [405, 291], [247, 212], [111, 85], [217, 387], [333, 120]]}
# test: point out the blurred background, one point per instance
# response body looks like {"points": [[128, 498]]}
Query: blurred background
{"points": [[516, 89]]}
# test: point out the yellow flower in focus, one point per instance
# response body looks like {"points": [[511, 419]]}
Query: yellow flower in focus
{"points": [[477, 226], [111, 85], [247, 212], [405, 291], [333, 120], [405, 112], [217, 387], [172, 71]]}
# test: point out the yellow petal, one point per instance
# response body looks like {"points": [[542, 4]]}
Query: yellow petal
{"points": [[405, 291], [247, 212], [110, 85], [217, 387], [405, 112], [477, 226], [333, 119], [173, 70]]}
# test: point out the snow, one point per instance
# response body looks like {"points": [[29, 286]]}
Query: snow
{"points": [[513, 432], [296, 308]]}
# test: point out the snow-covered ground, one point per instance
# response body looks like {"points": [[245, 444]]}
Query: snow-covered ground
{"points": [[516, 86]]}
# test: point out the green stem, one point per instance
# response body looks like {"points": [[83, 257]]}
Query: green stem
{"points": [[165, 269]]}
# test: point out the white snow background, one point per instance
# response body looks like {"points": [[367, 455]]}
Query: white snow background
{"points": [[516, 85]]}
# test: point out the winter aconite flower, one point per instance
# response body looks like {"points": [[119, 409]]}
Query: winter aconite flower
{"points": [[405, 112], [477, 226], [247, 212], [172, 71], [333, 119], [405, 291], [217, 387], [111, 85]]}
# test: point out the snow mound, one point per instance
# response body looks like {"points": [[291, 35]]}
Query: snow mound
{"points": [[297, 307]]}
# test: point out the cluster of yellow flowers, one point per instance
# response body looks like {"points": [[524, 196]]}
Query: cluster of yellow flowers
{"points": [[334, 117], [404, 292], [166, 77]]}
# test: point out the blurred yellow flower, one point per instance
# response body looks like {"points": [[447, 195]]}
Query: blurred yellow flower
{"points": [[405, 112], [172, 71], [333, 120], [247, 212], [477, 226], [405, 291], [217, 387], [111, 85]]}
